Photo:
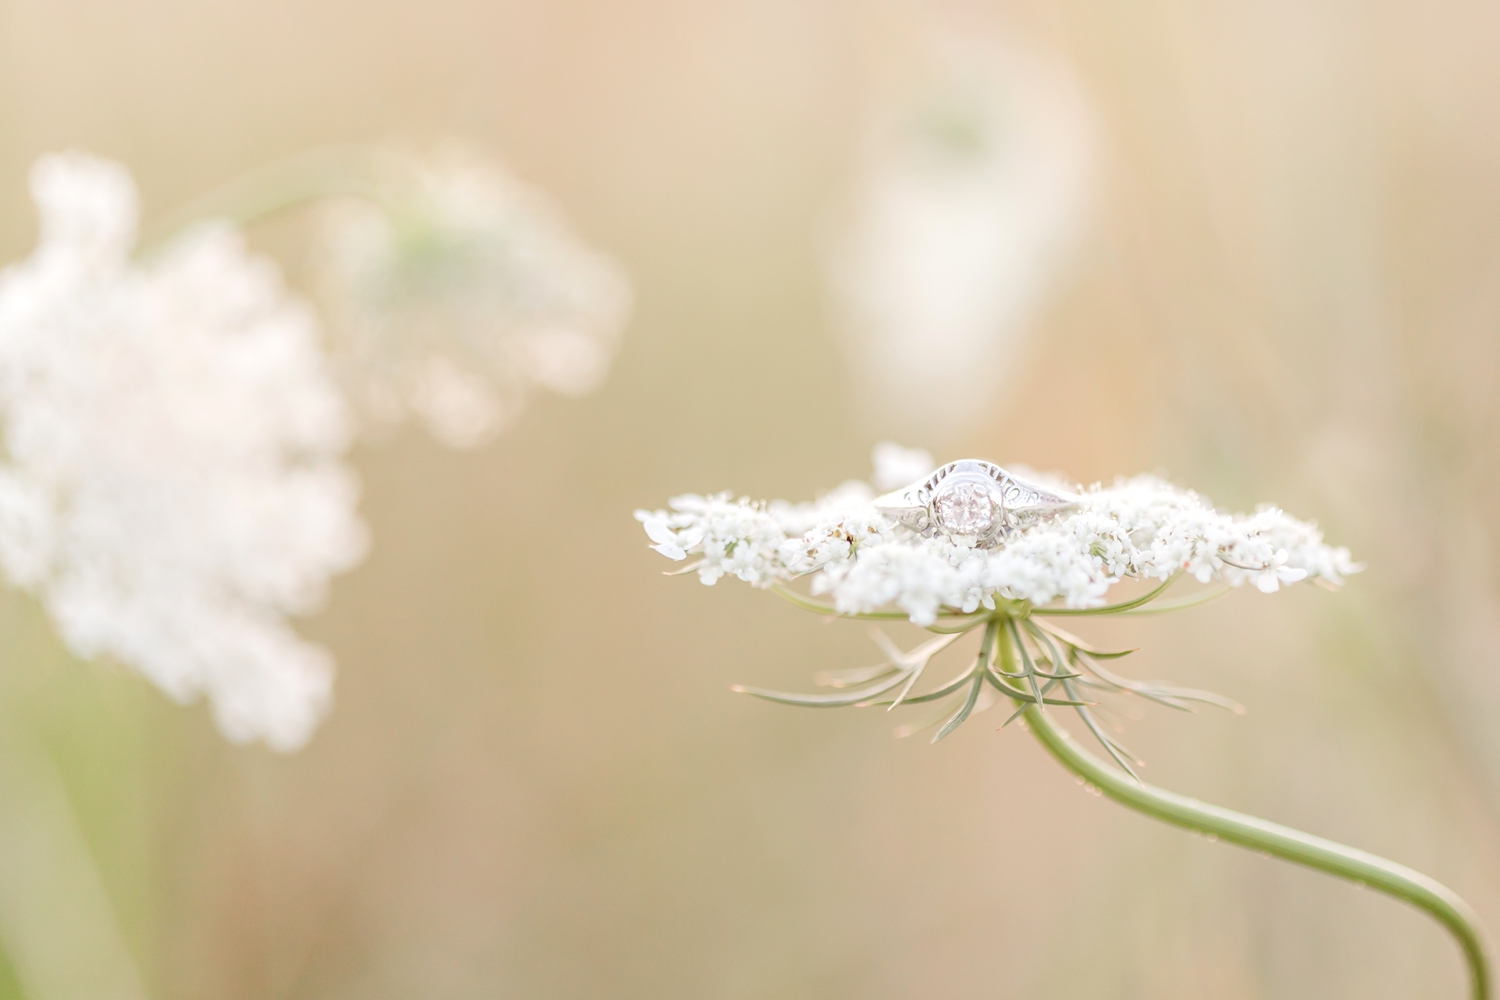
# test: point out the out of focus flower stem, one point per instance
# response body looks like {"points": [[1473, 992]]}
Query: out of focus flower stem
{"points": [[290, 183], [453, 290]]}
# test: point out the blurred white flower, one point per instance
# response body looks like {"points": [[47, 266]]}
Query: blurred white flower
{"points": [[972, 187], [172, 486], [1141, 528], [462, 292]]}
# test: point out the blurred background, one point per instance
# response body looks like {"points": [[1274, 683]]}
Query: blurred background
{"points": [[1253, 246]]}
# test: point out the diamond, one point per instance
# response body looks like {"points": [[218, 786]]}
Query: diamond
{"points": [[965, 509]]}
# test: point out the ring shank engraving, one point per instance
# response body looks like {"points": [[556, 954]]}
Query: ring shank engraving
{"points": [[973, 503]]}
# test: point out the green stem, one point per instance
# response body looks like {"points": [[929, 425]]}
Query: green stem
{"points": [[283, 185], [1114, 609], [1440, 902]]}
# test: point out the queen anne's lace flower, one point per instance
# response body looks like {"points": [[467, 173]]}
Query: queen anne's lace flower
{"points": [[462, 292], [1142, 528], [172, 485], [971, 190]]}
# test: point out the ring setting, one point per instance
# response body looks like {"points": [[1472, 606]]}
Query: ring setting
{"points": [[974, 503]]}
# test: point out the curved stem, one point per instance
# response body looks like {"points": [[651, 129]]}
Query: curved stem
{"points": [[1113, 609], [819, 607], [1413, 887], [1191, 601], [285, 184]]}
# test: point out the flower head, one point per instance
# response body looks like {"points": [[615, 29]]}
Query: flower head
{"points": [[172, 486], [1140, 528], [867, 563], [461, 293]]}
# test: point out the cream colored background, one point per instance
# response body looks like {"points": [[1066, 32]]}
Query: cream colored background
{"points": [[536, 784]]}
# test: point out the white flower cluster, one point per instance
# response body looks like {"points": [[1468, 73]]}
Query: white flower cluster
{"points": [[172, 485], [1141, 528], [461, 293]]}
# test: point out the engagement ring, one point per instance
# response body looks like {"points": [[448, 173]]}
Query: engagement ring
{"points": [[974, 503]]}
